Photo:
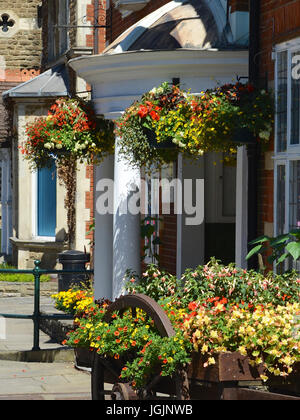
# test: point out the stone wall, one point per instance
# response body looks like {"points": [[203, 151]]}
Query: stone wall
{"points": [[21, 44]]}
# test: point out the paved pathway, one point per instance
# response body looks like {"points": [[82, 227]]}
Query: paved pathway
{"points": [[46, 381], [35, 381], [19, 332]]}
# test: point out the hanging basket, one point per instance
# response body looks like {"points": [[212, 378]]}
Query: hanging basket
{"points": [[243, 136], [152, 140]]}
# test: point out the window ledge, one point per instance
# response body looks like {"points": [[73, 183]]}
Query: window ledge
{"points": [[38, 242]]}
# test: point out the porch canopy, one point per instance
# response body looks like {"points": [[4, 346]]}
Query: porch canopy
{"points": [[52, 83], [190, 40]]}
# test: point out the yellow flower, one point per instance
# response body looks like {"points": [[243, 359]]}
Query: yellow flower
{"points": [[214, 334], [211, 361], [204, 348], [242, 350]]}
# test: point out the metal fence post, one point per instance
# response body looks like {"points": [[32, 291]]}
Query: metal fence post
{"points": [[36, 313]]}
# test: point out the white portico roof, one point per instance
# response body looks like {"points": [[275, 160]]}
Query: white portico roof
{"points": [[189, 39]]}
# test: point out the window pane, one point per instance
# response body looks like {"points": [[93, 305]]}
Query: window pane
{"points": [[295, 107], [280, 222], [294, 204], [281, 101]]}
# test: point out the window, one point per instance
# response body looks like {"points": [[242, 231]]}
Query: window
{"points": [[287, 139], [46, 202], [58, 34]]}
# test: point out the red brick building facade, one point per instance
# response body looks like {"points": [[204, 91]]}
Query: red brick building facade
{"points": [[279, 47]]}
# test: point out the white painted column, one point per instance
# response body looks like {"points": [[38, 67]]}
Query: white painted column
{"points": [[126, 230], [241, 232], [103, 251]]}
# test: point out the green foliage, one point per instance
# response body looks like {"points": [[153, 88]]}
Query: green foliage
{"points": [[215, 279], [151, 240], [213, 308], [281, 247], [19, 277]]}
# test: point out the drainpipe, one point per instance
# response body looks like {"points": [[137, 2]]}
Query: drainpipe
{"points": [[253, 151], [96, 30]]}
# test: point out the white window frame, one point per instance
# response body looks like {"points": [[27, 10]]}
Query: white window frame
{"points": [[292, 152]]}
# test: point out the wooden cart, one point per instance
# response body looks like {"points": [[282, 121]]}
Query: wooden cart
{"points": [[231, 378]]}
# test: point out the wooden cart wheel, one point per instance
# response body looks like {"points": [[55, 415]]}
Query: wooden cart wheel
{"points": [[123, 391], [165, 329], [102, 371]]}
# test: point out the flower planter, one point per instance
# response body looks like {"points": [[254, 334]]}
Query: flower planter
{"points": [[83, 357], [230, 376], [243, 136], [152, 140]]}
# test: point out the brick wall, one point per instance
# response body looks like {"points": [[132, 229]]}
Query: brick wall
{"points": [[279, 22]]}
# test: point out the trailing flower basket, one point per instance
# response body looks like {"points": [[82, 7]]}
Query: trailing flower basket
{"points": [[153, 143], [70, 133], [243, 136], [218, 120], [70, 129]]}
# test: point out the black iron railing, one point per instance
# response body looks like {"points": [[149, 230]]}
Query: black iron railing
{"points": [[36, 316]]}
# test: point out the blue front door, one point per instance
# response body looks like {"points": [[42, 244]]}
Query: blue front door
{"points": [[46, 201]]}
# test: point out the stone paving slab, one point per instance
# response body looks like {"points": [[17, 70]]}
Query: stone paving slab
{"points": [[43, 381], [28, 375], [19, 332]]}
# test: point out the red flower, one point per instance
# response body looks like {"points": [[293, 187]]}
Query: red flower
{"points": [[154, 115], [143, 111], [192, 306]]}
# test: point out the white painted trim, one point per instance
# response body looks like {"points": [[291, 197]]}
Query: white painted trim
{"points": [[134, 65], [292, 44], [34, 204], [241, 233]]}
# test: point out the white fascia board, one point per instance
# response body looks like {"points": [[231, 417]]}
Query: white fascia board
{"points": [[126, 66]]}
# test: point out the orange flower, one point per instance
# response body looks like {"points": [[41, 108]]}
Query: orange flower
{"points": [[133, 343]]}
